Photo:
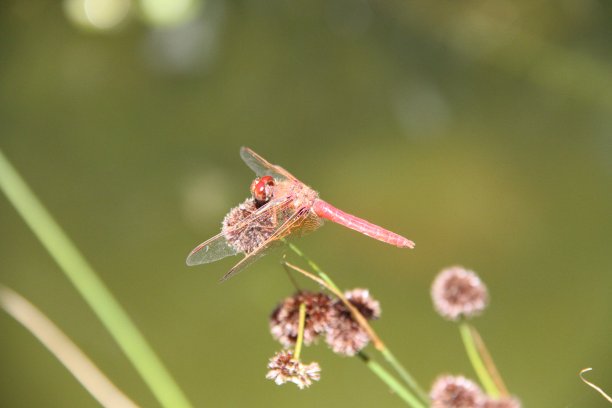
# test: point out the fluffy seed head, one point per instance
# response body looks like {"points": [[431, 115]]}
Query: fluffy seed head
{"points": [[248, 237], [283, 368], [456, 392], [458, 292], [364, 302], [284, 320], [344, 335]]}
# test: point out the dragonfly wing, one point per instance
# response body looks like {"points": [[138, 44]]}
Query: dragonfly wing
{"points": [[262, 167], [212, 250], [285, 229]]}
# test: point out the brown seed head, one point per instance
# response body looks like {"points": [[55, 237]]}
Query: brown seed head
{"points": [[344, 335], [283, 368], [456, 392], [250, 236], [364, 302], [458, 292], [284, 320]]}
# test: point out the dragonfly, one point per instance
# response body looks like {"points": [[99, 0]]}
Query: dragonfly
{"points": [[280, 205]]}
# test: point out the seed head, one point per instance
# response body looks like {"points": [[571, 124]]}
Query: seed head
{"points": [[250, 236], [284, 320], [509, 402], [458, 292], [456, 392], [283, 368], [364, 302], [344, 335]]}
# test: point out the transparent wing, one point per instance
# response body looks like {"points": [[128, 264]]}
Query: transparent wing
{"points": [[281, 232], [262, 167], [211, 250], [217, 247]]}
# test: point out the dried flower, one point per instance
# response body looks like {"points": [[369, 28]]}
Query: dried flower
{"points": [[458, 292], [285, 318], [509, 402], [344, 335], [283, 368], [456, 392], [366, 304], [251, 235]]}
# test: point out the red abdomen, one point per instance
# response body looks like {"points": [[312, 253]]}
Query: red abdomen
{"points": [[329, 212]]}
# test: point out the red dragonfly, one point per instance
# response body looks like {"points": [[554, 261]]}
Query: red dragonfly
{"points": [[279, 205]]}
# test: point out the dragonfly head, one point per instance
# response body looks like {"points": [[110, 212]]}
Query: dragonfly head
{"points": [[262, 189]]}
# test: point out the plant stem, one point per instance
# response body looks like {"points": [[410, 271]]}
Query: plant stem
{"points": [[488, 362], [91, 288], [476, 360], [391, 382], [300, 338], [64, 349], [404, 374], [378, 343]]}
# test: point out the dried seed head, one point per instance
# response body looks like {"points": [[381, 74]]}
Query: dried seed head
{"points": [[458, 292], [344, 335], [509, 402], [250, 236], [284, 320], [456, 392], [364, 302], [283, 368]]}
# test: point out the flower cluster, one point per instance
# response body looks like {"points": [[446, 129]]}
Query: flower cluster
{"points": [[285, 318], [324, 316], [284, 368], [459, 392], [458, 292], [342, 332], [246, 237]]}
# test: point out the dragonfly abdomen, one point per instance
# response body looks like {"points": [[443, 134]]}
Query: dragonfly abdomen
{"points": [[329, 212]]}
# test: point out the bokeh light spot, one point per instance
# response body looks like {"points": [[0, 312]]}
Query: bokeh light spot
{"points": [[97, 14], [168, 12]]}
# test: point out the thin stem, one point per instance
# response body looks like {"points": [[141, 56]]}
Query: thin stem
{"points": [[313, 265], [91, 288], [64, 349], [404, 374], [488, 362], [476, 360], [391, 382], [377, 342], [300, 338]]}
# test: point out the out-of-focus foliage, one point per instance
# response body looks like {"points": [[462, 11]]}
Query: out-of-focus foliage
{"points": [[482, 130]]}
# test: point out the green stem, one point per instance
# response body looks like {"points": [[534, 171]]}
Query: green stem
{"points": [[91, 288], [300, 338], [387, 354], [391, 382], [476, 360], [404, 374], [313, 265]]}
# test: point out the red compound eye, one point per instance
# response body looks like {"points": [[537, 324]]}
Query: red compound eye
{"points": [[261, 189]]}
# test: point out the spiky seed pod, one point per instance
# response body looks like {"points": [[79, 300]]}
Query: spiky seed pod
{"points": [[284, 320], [457, 292], [283, 368], [250, 236], [456, 392], [364, 302], [344, 335]]}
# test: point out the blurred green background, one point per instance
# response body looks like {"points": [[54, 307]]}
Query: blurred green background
{"points": [[482, 130]]}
